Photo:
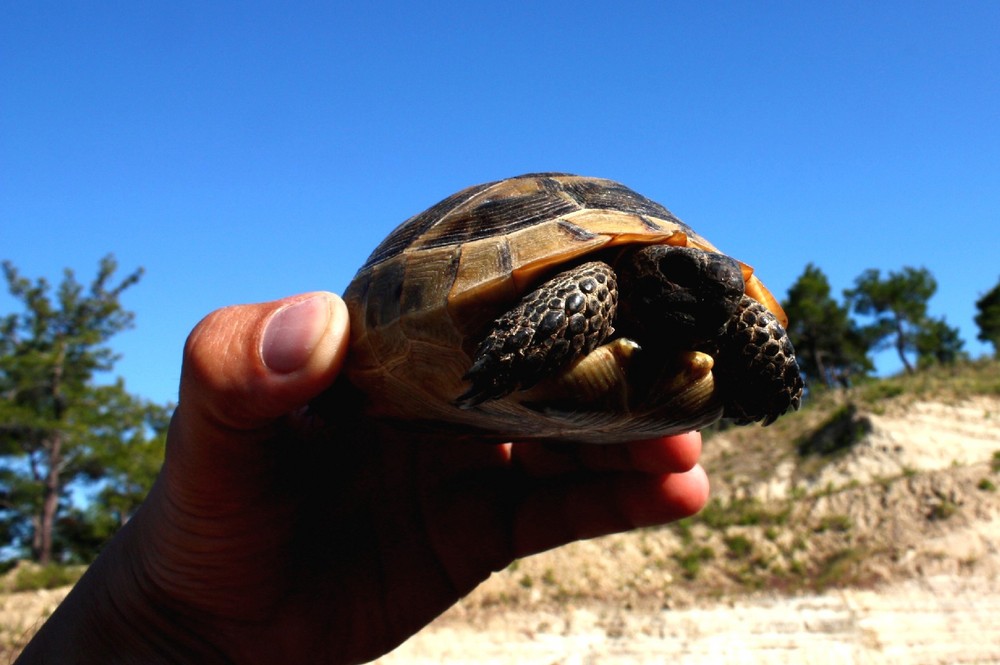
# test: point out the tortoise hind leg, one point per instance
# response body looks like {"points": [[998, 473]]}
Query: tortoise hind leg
{"points": [[565, 318]]}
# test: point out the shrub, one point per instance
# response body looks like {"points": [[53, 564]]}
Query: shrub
{"points": [[739, 546], [838, 523], [34, 577], [690, 560]]}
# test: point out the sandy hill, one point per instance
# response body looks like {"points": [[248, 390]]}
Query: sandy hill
{"points": [[864, 528]]}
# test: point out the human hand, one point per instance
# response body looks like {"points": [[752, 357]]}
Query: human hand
{"points": [[263, 541]]}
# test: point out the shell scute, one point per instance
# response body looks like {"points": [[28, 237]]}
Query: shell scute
{"points": [[382, 295], [406, 234], [427, 278]]}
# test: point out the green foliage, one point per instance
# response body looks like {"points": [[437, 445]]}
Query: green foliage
{"points": [[739, 546], [881, 390], [51, 576], [938, 343], [897, 306], [988, 318], [942, 509], [995, 461], [740, 512], [714, 515], [960, 380], [837, 523], [828, 344], [683, 529], [986, 485], [690, 560], [797, 568], [58, 427]]}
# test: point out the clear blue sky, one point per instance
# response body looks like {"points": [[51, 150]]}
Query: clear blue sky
{"points": [[246, 151]]}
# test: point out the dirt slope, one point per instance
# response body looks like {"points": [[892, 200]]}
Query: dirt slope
{"points": [[865, 528], [861, 530], [940, 619]]}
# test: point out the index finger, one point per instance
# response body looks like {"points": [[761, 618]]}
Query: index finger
{"points": [[668, 454]]}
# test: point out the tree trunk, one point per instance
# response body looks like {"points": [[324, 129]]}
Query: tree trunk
{"points": [[824, 374], [54, 450], [36, 535], [901, 344], [50, 503]]}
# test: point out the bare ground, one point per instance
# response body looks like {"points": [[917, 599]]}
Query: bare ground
{"points": [[882, 547], [885, 549], [940, 619]]}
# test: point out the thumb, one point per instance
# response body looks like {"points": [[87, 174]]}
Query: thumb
{"points": [[247, 365]]}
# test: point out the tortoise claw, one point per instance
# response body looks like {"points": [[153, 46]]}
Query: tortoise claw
{"points": [[485, 379]]}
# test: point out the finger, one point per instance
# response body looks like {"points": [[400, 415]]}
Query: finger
{"points": [[601, 505], [669, 454], [247, 366]]}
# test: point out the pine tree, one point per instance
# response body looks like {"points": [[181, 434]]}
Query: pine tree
{"points": [[57, 425], [937, 343], [897, 306], [988, 318], [828, 344]]}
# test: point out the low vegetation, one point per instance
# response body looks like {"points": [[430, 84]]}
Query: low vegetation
{"points": [[824, 498], [34, 577]]}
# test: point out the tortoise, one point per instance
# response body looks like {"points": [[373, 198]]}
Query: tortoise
{"points": [[557, 307]]}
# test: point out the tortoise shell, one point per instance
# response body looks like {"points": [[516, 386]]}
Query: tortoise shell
{"points": [[421, 302]]}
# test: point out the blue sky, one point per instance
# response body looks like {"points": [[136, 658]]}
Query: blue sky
{"points": [[245, 151]]}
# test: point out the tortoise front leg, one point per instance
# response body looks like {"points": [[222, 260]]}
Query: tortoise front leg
{"points": [[565, 318]]}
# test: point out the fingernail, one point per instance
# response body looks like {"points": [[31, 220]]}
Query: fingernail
{"points": [[293, 332]]}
